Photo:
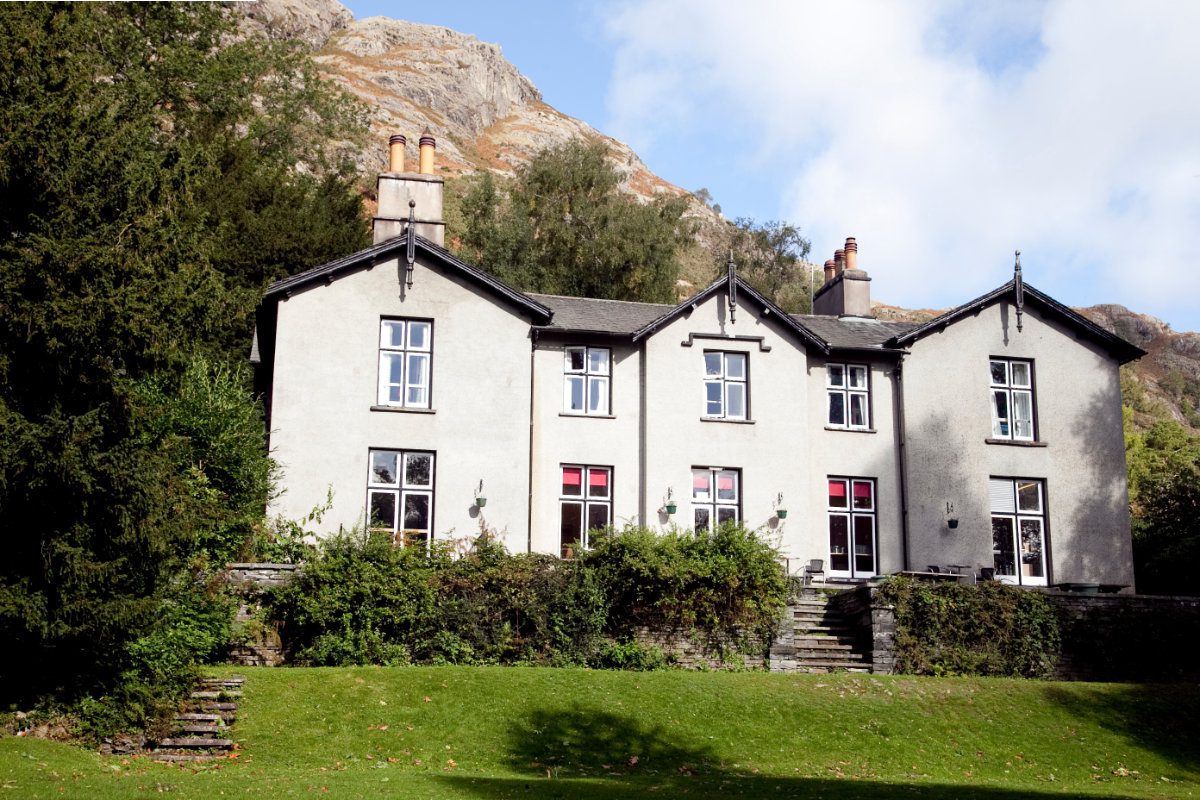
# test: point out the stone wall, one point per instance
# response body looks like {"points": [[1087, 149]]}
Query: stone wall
{"points": [[874, 622], [257, 642], [691, 650]]}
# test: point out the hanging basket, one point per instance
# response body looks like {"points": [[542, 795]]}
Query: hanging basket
{"points": [[672, 508], [480, 502], [781, 513]]}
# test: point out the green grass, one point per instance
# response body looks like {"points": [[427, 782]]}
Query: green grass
{"points": [[513, 732]]}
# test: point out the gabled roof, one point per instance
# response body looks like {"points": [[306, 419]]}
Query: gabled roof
{"points": [[852, 333], [1122, 350], [387, 249], [670, 313], [593, 315]]}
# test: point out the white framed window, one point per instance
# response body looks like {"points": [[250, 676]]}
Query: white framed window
{"points": [[726, 385], [852, 518], [586, 380], [1018, 508], [716, 497], [847, 387], [400, 495], [405, 356], [1012, 399], [584, 503]]}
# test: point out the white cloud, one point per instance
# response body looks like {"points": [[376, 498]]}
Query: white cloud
{"points": [[943, 137]]}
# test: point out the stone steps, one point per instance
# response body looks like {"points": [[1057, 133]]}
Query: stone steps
{"points": [[818, 639], [201, 728]]}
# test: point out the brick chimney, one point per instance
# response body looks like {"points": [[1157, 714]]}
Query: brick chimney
{"points": [[397, 187], [847, 289]]}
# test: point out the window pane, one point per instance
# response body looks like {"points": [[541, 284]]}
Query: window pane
{"points": [[864, 499], [858, 410], [726, 514], [735, 365], [383, 467], [1020, 373], [1003, 555], [575, 359], [727, 488], [418, 369], [395, 395], [391, 334], [837, 408], [598, 361], [1031, 548], [598, 482], [418, 469], [837, 494], [836, 374], [394, 367], [1022, 411], [598, 395], [383, 510], [701, 484], [736, 406], [712, 363], [416, 512], [999, 373], [864, 544], [712, 399], [571, 524], [418, 336], [575, 392], [1029, 496], [839, 543], [1000, 413], [572, 482], [597, 516], [858, 377], [417, 397], [703, 519]]}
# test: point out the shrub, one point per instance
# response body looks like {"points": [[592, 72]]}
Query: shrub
{"points": [[987, 629]]}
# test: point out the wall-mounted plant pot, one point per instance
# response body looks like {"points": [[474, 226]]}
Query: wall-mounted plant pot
{"points": [[480, 502], [672, 508], [953, 523], [781, 513]]}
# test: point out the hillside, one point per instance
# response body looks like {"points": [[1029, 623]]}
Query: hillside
{"points": [[488, 116]]}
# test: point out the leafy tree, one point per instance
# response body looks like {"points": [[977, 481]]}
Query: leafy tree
{"points": [[154, 173], [562, 226], [770, 256]]}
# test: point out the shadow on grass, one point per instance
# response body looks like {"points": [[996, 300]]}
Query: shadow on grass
{"points": [[1162, 718], [596, 755]]}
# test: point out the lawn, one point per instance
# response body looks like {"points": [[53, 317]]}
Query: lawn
{"points": [[463, 732]]}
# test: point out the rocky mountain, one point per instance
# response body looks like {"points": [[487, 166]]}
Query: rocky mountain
{"points": [[486, 115]]}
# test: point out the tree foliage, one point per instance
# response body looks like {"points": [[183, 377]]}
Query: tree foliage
{"points": [[770, 257], [154, 174], [562, 226]]}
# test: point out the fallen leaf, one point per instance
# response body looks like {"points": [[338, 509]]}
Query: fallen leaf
{"points": [[428, 699], [633, 760]]}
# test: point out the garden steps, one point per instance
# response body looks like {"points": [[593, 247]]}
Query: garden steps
{"points": [[200, 731], [817, 638]]}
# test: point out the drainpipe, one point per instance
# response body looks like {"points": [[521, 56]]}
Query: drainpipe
{"points": [[533, 337], [643, 512], [898, 375]]}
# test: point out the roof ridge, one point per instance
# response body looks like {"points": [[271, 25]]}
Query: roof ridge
{"points": [[599, 299]]}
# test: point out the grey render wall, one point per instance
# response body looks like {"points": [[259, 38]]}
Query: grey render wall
{"points": [[1078, 417], [771, 451], [326, 362], [856, 454], [561, 438]]}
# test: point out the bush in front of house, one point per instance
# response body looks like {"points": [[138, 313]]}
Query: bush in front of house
{"points": [[990, 628], [360, 600]]}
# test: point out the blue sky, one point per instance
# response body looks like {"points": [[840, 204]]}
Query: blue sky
{"points": [[943, 134]]}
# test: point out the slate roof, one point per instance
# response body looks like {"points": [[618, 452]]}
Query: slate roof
{"points": [[854, 334], [591, 315]]}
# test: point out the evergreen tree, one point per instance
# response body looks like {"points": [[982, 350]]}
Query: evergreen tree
{"points": [[154, 174]]}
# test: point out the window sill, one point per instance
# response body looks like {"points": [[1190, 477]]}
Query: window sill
{"points": [[1014, 442], [850, 430], [403, 410], [586, 416], [732, 421]]}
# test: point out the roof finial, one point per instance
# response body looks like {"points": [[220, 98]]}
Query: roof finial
{"points": [[410, 255], [1019, 287], [731, 270]]}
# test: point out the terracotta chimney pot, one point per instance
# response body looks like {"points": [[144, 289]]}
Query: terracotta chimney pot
{"points": [[839, 260], [396, 145], [851, 253], [428, 144], [830, 270]]}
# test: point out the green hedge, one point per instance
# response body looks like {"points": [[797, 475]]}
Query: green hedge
{"points": [[986, 629], [360, 600]]}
